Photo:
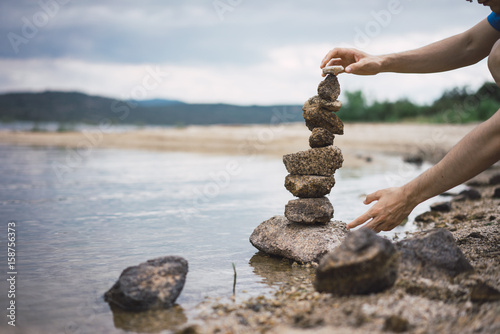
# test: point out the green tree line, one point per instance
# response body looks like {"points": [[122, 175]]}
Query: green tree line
{"points": [[458, 105]]}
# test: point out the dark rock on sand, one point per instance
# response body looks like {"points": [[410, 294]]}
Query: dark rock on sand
{"points": [[309, 186], [415, 158], [494, 180], [154, 284], [496, 193], [303, 243], [482, 292], [316, 101], [321, 137], [322, 118], [396, 324], [329, 89], [427, 217], [323, 161], [432, 255], [309, 210], [364, 263], [441, 207], [468, 194]]}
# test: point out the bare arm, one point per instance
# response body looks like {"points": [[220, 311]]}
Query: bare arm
{"points": [[454, 52], [473, 154]]}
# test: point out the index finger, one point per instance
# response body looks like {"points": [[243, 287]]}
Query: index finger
{"points": [[333, 53], [360, 220]]}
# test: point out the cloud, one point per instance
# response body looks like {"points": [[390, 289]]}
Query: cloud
{"points": [[258, 52]]}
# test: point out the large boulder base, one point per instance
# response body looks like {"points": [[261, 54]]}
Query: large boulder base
{"points": [[433, 254], [154, 284], [364, 263], [309, 210], [302, 243], [329, 89], [323, 161], [322, 118], [309, 186]]}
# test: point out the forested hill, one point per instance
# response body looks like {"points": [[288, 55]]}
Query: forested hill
{"points": [[458, 105], [76, 107]]}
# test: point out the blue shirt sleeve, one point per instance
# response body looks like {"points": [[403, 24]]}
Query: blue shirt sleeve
{"points": [[494, 20]]}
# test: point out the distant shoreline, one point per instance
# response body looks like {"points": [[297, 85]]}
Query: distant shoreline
{"points": [[359, 143]]}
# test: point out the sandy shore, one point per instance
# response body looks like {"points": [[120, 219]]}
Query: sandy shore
{"points": [[466, 303], [360, 140]]}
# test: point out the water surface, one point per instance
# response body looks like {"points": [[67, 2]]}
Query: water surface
{"points": [[80, 222]]}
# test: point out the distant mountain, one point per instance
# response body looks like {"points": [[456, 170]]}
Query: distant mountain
{"points": [[157, 102], [72, 107]]}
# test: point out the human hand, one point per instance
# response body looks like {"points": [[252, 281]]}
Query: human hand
{"points": [[391, 209], [353, 61]]}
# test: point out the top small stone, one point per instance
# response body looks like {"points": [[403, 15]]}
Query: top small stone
{"points": [[335, 70]]}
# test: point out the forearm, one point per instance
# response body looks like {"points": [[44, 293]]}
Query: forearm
{"points": [[472, 155], [454, 52]]}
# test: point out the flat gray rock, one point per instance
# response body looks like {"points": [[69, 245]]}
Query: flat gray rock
{"points": [[335, 70], [298, 242], [309, 210], [154, 284], [321, 118], [364, 263], [323, 161], [321, 137], [309, 186], [329, 88], [432, 255]]}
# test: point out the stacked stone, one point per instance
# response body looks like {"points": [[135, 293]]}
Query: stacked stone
{"points": [[306, 232], [311, 172]]}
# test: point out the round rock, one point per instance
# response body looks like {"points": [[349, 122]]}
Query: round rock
{"points": [[320, 138], [364, 263], [309, 210], [309, 186], [154, 284]]}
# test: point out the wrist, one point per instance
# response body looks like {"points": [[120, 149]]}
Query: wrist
{"points": [[387, 63], [413, 195]]}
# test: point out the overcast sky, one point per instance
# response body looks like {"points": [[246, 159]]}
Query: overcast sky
{"points": [[231, 51]]}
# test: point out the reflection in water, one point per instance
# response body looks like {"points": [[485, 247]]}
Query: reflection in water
{"points": [[152, 321], [276, 271]]}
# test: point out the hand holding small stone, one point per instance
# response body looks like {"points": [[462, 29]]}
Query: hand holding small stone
{"points": [[354, 61]]}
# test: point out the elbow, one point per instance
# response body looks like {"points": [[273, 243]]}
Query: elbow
{"points": [[472, 51]]}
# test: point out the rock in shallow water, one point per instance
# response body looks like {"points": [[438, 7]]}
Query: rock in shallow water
{"points": [[364, 263], [154, 284], [433, 254], [309, 210], [323, 161], [309, 186], [303, 243]]}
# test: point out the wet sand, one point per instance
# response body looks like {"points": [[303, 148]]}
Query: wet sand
{"points": [[360, 141]]}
